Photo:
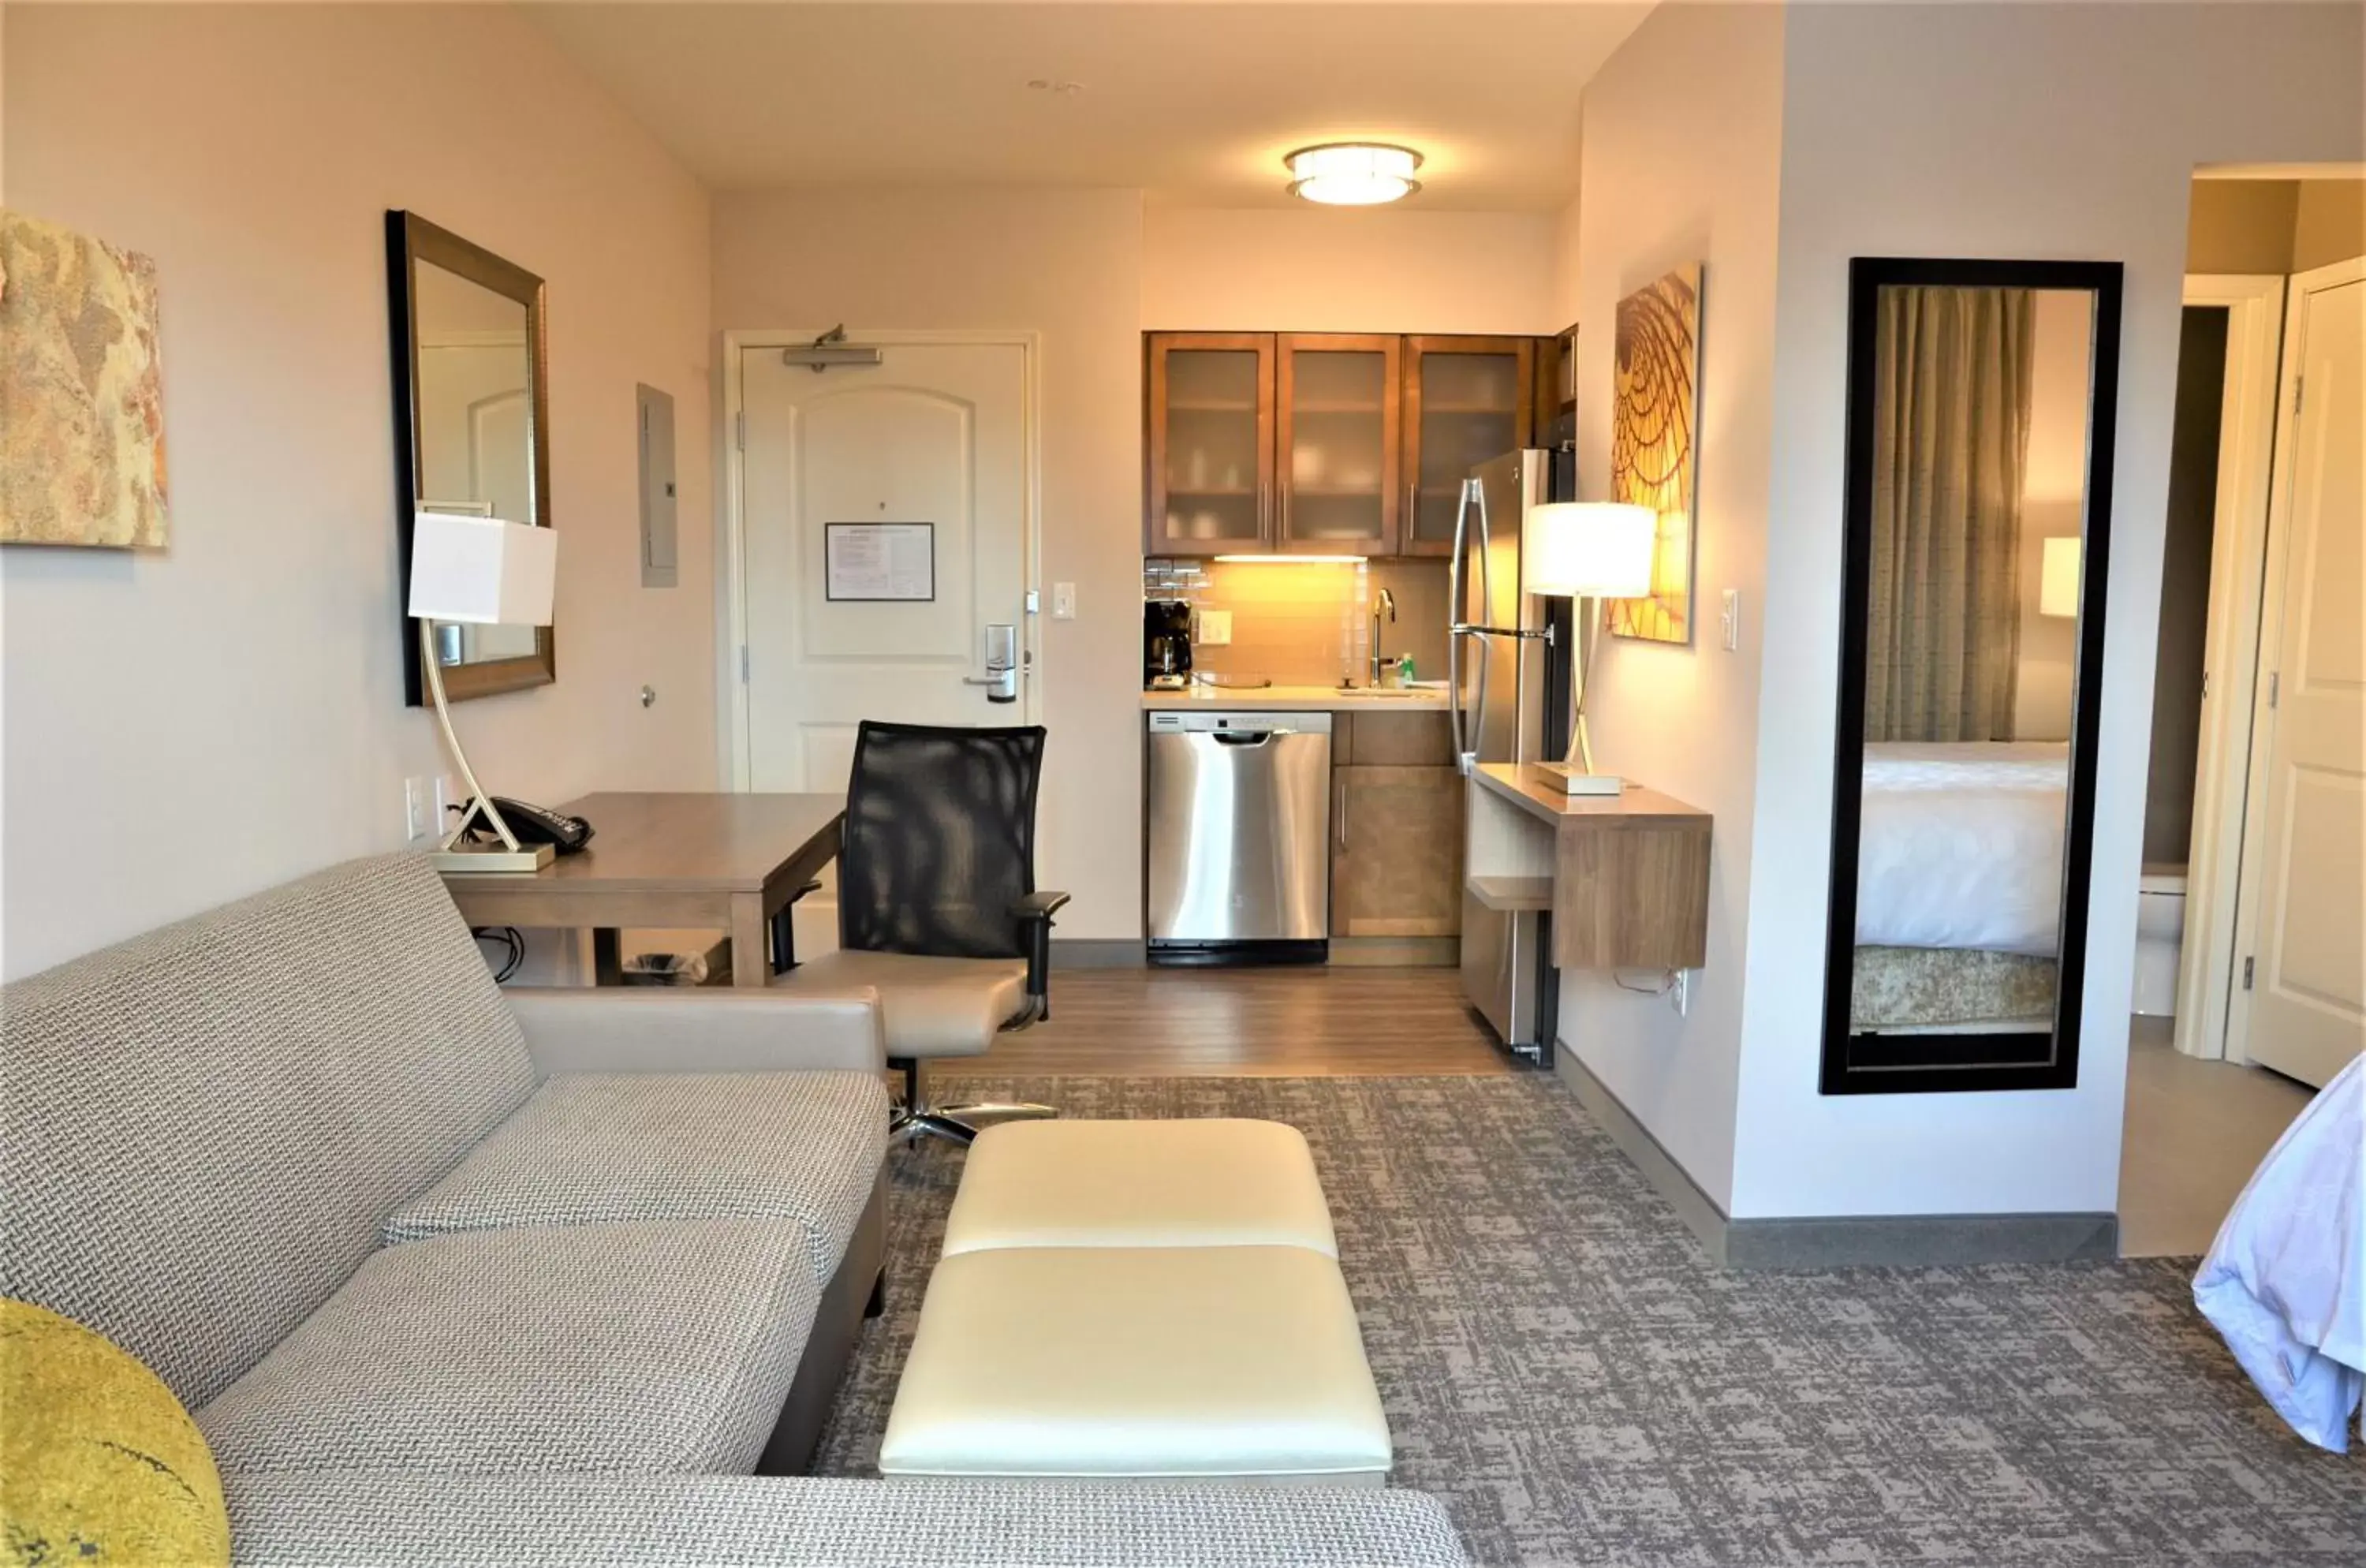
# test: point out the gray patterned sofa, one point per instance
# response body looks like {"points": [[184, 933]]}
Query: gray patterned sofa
{"points": [[451, 1275]]}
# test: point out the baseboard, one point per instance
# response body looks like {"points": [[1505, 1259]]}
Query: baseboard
{"points": [[1096, 952], [1396, 951], [1700, 1213], [1843, 1241]]}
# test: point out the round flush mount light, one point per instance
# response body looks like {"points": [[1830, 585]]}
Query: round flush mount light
{"points": [[1353, 173]]}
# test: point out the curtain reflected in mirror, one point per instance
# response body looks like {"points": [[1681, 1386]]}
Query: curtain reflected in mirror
{"points": [[1979, 433]]}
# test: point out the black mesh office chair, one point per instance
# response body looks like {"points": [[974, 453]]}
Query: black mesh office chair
{"points": [[937, 906]]}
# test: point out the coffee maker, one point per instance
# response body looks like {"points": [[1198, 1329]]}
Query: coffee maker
{"points": [[1166, 643]]}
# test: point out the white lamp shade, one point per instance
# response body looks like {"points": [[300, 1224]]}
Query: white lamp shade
{"points": [[2058, 587], [482, 570], [1590, 549]]}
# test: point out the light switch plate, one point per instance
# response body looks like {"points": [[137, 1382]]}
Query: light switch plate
{"points": [[418, 808], [1064, 600], [1215, 628], [1730, 620]]}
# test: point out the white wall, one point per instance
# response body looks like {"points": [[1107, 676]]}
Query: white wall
{"points": [[1662, 188], [1067, 265], [1984, 130], [1331, 269], [2053, 505], [191, 724]]}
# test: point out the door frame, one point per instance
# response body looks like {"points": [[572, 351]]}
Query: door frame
{"points": [[732, 714], [2271, 635], [2238, 549]]}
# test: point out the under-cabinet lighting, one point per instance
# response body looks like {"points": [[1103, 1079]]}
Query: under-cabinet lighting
{"points": [[1296, 561]]}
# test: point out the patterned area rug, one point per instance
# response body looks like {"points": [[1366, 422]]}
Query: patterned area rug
{"points": [[1562, 1364]]}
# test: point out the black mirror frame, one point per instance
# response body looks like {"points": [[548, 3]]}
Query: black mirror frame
{"points": [[409, 240], [1981, 1062]]}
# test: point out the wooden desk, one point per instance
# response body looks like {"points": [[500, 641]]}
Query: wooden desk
{"points": [[707, 861], [1625, 877]]}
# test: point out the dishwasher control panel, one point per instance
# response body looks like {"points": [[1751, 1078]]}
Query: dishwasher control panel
{"points": [[1164, 722]]}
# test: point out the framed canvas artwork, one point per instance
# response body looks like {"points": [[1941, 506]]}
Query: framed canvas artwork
{"points": [[82, 403], [1654, 414]]}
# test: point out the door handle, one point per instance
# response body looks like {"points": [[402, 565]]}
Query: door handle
{"points": [[1001, 677]]}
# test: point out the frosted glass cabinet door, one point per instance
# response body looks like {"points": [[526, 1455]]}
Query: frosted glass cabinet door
{"points": [[1467, 401], [1340, 395], [1210, 446]]}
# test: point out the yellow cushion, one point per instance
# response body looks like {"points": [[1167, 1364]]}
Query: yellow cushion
{"points": [[98, 1462]]}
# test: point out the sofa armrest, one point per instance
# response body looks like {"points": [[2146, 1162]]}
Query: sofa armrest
{"points": [[328, 1519], [664, 1029]]}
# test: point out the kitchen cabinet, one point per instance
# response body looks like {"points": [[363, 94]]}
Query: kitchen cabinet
{"points": [[1323, 443], [1209, 417], [1466, 399], [1396, 825], [1338, 396], [1396, 851]]}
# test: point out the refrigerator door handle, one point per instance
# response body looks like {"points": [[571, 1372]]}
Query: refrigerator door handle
{"points": [[1454, 630]]}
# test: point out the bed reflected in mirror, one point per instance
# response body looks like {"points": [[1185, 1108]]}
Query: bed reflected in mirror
{"points": [[1979, 471]]}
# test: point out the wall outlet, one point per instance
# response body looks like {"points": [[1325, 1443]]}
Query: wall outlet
{"points": [[1680, 995], [1064, 600], [419, 809], [1215, 628], [1728, 620]]}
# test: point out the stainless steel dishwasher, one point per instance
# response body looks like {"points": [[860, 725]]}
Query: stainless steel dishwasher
{"points": [[1239, 838]]}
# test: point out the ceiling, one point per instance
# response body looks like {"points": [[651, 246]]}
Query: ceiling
{"points": [[1194, 104]]}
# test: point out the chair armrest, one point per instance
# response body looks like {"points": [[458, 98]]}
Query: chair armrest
{"points": [[1035, 911], [385, 1518], [1039, 906], [664, 1029]]}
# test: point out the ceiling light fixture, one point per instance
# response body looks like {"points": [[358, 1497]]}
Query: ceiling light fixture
{"points": [[1353, 173]]}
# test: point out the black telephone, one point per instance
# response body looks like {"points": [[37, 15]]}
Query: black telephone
{"points": [[534, 825]]}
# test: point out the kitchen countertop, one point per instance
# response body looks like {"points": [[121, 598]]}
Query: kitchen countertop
{"points": [[1311, 699]]}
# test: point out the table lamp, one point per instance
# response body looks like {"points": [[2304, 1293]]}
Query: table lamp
{"points": [[478, 571], [1589, 551]]}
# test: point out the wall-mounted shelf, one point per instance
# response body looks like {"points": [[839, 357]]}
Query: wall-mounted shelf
{"points": [[1512, 895]]}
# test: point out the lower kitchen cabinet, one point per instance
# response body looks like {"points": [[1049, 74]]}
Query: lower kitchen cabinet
{"points": [[1396, 851]]}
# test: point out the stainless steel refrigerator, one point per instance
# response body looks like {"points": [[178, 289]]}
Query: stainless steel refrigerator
{"points": [[1498, 666]]}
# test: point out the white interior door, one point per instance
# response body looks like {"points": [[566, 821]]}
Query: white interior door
{"points": [[2306, 1013], [885, 518]]}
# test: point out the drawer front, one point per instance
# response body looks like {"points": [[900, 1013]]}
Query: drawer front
{"points": [[1395, 741]]}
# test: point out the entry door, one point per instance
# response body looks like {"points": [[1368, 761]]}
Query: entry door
{"points": [[2307, 931], [884, 522]]}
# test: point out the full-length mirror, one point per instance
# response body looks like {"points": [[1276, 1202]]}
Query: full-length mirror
{"points": [[471, 433], [1980, 447]]}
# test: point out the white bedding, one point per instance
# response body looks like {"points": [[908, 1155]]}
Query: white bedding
{"points": [[1960, 845], [2286, 1281]]}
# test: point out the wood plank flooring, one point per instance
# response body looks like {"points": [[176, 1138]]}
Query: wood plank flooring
{"points": [[1276, 1022]]}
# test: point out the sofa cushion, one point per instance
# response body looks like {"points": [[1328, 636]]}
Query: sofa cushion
{"points": [[611, 1147], [667, 1347], [206, 1125]]}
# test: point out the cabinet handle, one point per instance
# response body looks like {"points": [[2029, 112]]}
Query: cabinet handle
{"points": [[1346, 793], [1265, 509], [1409, 526]]}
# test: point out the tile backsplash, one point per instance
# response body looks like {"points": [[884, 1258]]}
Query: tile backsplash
{"points": [[1309, 622]]}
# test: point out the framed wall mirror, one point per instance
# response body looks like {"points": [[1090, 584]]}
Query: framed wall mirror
{"points": [[1980, 461], [471, 430]]}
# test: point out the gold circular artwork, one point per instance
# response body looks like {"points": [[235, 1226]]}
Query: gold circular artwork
{"points": [[1658, 343]]}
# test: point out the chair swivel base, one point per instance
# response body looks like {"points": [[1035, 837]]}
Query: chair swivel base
{"points": [[960, 1123]]}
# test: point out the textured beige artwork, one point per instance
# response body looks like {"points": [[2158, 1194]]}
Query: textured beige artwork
{"points": [[82, 404]]}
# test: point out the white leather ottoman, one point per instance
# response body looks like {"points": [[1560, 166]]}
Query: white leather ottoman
{"points": [[1183, 1183], [1222, 1363]]}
